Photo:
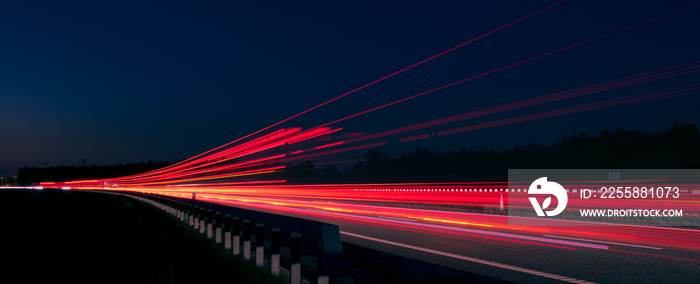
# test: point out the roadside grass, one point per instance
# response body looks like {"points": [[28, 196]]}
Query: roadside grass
{"points": [[87, 237]]}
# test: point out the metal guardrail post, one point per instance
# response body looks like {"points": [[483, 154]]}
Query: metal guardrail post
{"points": [[190, 214], [196, 217], [295, 259], [210, 224], [185, 213], [330, 252], [321, 277], [181, 212], [236, 240], [260, 244], [275, 244], [202, 220], [247, 228], [227, 231], [217, 223]]}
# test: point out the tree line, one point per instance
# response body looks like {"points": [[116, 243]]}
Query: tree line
{"points": [[675, 147], [29, 175]]}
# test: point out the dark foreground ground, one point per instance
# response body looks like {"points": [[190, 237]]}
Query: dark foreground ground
{"points": [[84, 237]]}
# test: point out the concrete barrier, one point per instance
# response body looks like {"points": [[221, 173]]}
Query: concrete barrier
{"points": [[235, 227]]}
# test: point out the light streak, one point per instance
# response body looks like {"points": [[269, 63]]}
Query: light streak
{"points": [[509, 66], [354, 148], [456, 222], [195, 159], [575, 109], [475, 260], [601, 87], [395, 73], [329, 145], [385, 204]]}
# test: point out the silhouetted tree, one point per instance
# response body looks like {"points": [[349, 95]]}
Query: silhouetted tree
{"points": [[675, 147]]}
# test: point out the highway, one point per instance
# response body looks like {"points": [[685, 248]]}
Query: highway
{"points": [[485, 227], [571, 251]]}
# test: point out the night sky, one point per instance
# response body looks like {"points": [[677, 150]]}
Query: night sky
{"points": [[131, 81]]}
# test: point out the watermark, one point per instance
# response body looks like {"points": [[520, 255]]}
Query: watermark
{"points": [[631, 212], [594, 197], [542, 186]]}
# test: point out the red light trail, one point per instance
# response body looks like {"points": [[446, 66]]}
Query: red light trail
{"points": [[508, 66], [381, 79], [571, 110], [249, 172], [207, 166], [601, 87]]}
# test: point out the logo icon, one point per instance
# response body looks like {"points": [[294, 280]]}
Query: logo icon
{"points": [[542, 186]]}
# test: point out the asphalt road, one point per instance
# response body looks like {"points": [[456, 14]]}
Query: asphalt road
{"points": [[571, 251]]}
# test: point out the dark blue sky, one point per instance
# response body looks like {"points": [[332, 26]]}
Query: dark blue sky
{"points": [[131, 81]]}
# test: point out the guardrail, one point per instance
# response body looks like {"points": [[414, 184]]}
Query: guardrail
{"points": [[280, 238]]}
